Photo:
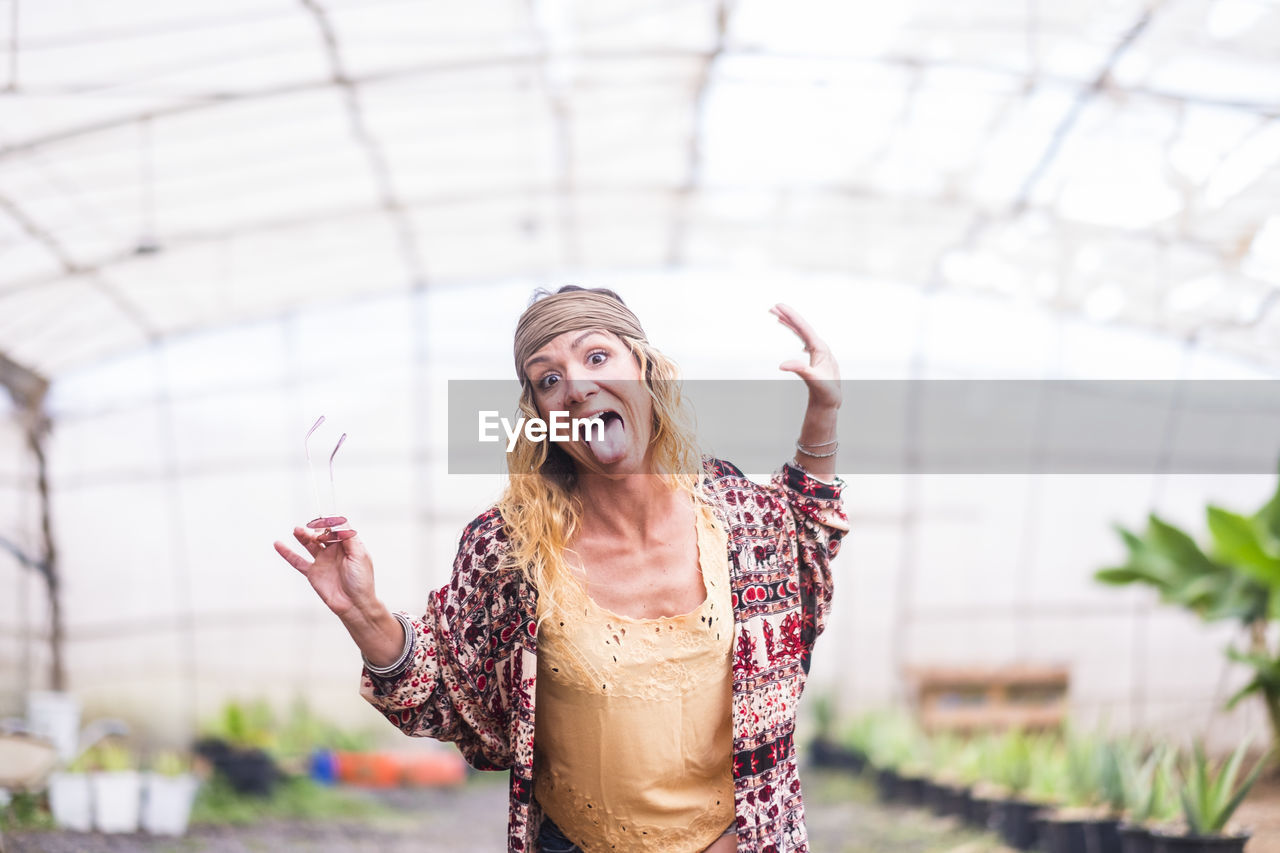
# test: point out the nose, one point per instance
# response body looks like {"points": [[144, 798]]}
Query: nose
{"points": [[579, 389]]}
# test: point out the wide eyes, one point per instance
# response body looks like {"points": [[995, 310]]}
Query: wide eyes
{"points": [[595, 358]]}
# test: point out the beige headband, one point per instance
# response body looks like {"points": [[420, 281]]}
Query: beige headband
{"points": [[554, 315]]}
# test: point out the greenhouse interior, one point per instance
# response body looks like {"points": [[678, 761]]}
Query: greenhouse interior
{"points": [[223, 226]]}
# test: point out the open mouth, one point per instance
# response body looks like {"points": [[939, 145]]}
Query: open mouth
{"points": [[609, 444]]}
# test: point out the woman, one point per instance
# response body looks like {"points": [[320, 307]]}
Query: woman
{"points": [[658, 609]]}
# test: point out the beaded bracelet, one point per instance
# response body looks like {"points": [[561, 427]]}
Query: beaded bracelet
{"points": [[405, 654]]}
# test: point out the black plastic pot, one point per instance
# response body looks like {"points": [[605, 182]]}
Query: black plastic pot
{"points": [[1102, 836], [1135, 839], [933, 796], [1198, 843], [911, 790], [826, 753], [887, 785], [981, 811], [248, 771], [1015, 821], [1062, 836], [955, 802]]}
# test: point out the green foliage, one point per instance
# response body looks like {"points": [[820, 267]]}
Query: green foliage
{"points": [[25, 812], [860, 732], [248, 726], [1112, 755], [823, 708], [1049, 781], [1266, 675], [1148, 784], [1012, 760], [1210, 795], [966, 764], [296, 798], [1169, 560], [110, 755], [304, 731], [255, 726], [1237, 578], [170, 763], [894, 742]]}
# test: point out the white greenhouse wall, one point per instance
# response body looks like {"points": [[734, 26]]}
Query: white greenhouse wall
{"points": [[174, 469]]}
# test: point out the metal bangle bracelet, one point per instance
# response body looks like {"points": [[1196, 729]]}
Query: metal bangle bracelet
{"points": [[405, 653], [800, 447], [823, 444]]}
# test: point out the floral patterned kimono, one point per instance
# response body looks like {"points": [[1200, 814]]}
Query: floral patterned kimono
{"points": [[472, 676]]}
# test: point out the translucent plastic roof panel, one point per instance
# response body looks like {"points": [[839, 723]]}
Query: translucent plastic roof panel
{"points": [[166, 169]]}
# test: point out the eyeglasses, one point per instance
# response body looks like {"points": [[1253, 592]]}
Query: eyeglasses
{"points": [[325, 520]]}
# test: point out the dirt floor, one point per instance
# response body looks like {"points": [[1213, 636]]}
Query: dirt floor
{"points": [[1260, 813], [843, 817]]}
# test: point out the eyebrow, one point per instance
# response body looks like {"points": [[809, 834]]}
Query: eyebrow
{"points": [[577, 342]]}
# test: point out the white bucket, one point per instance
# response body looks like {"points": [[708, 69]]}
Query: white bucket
{"points": [[70, 801], [117, 800], [56, 717], [166, 803]]}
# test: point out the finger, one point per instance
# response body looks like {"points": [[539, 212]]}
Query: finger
{"points": [[308, 540], [798, 367], [788, 317], [327, 521], [293, 558]]}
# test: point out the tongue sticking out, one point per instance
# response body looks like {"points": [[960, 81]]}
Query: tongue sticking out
{"points": [[611, 447]]}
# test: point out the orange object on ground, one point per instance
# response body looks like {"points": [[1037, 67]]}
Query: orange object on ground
{"points": [[369, 769], [433, 769]]}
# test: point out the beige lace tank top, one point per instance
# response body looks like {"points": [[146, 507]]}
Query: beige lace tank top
{"points": [[633, 738]]}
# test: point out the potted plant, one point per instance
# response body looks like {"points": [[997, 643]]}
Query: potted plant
{"points": [[824, 749], [984, 792], [1013, 812], [857, 740], [117, 788], [1149, 796], [1209, 797], [949, 786], [891, 750], [70, 796], [1235, 577], [170, 789], [237, 747], [1091, 797]]}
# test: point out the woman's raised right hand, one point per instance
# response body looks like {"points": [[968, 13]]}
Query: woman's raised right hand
{"points": [[340, 569]]}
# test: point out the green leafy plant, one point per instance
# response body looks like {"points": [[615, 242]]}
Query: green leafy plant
{"points": [[1148, 784], [170, 763], [1210, 795], [824, 712], [295, 799], [109, 756], [249, 726], [304, 731], [894, 743], [1236, 578], [1012, 761], [24, 812]]}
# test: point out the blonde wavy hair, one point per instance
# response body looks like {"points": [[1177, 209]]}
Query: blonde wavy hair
{"points": [[540, 506]]}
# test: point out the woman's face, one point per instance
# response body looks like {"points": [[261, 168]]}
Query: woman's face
{"points": [[592, 372]]}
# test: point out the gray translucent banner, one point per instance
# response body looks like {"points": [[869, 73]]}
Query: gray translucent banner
{"points": [[951, 426]]}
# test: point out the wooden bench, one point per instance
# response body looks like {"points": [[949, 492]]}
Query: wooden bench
{"points": [[966, 699]]}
